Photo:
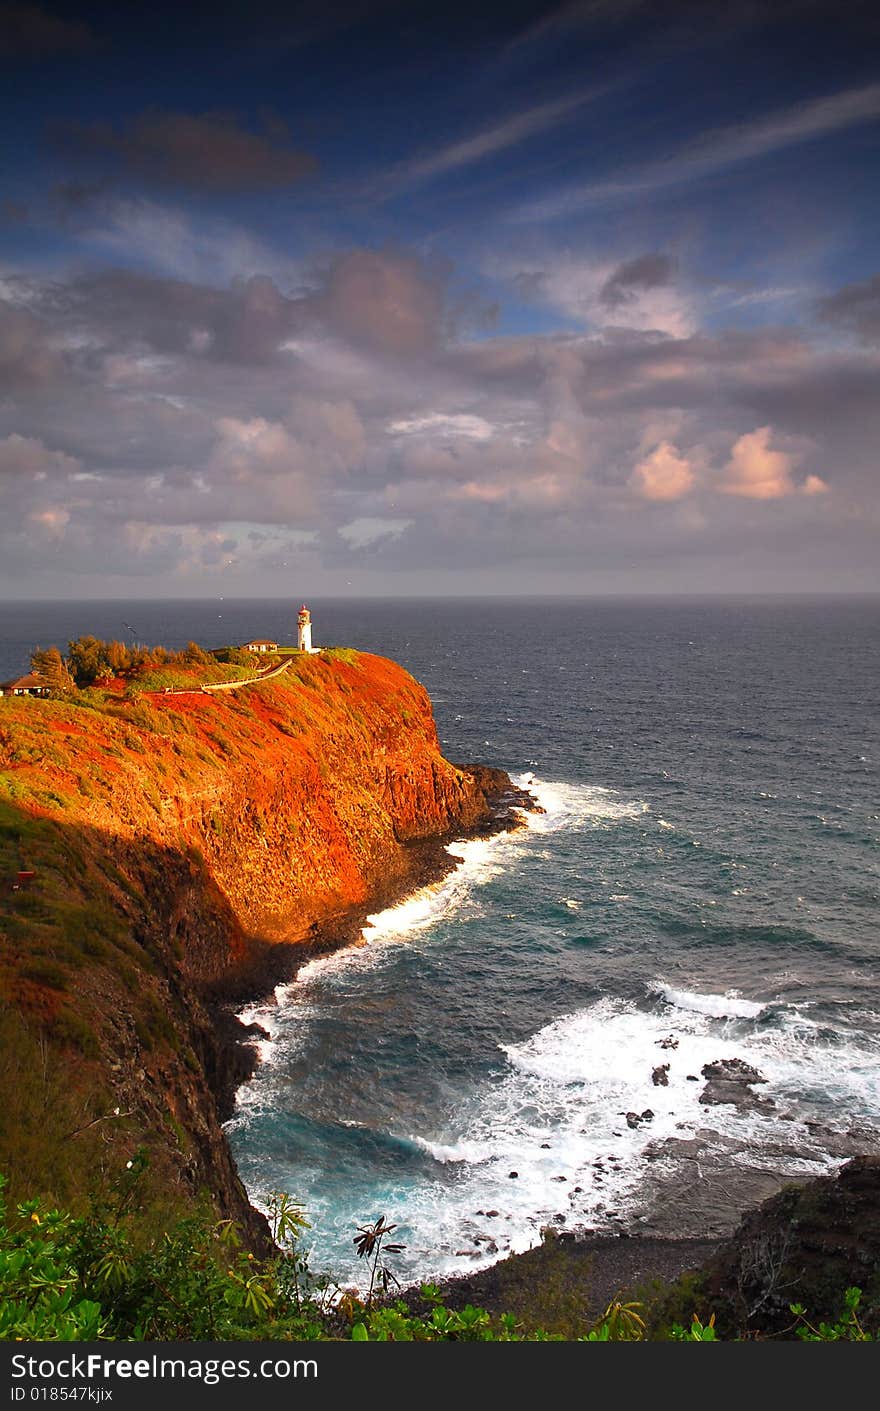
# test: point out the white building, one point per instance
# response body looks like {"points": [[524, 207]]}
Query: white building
{"points": [[304, 632]]}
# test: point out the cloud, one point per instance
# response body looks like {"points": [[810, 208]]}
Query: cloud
{"points": [[855, 307], [644, 272], [203, 152], [27, 458], [390, 302], [663, 475], [182, 418], [814, 485], [30, 32], [267, 471], [497, 138], [172, 241], [365, 532], [441, 424], [26, 352], [259, 471], [716, 151], [246, 323], [638, 294], [755, 471]]}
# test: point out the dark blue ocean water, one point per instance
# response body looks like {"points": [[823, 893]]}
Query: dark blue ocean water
{"points": [[706, 868]]}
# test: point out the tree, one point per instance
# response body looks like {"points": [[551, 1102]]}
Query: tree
{"points": [[48, 664]]}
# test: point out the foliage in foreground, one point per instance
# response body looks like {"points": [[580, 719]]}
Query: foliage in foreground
{"points": [[83, 1278]]}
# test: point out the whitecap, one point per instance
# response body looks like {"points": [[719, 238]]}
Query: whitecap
{"points": [[727, 1006], [569, 805]]}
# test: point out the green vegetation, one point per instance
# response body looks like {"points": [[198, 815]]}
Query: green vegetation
{"points": [[232, 656], [346, 654], [102, 1275], [93, 662], [48, 663]]}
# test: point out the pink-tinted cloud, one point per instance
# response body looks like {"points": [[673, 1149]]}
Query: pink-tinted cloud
{"points": [[815, 485], [755, 471], [390, 302], [663, 475], [28, 458]]}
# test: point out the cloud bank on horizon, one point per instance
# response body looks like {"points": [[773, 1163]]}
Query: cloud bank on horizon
{"points": [[577, 298]]}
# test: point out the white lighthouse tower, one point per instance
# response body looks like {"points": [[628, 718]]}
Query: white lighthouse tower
{"points": [[304, 631]]}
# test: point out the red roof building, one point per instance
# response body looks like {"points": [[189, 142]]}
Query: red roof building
{"points": [[29, 685]]}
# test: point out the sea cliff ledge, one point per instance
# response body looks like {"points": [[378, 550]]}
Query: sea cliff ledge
{"points": [[188, 851]]}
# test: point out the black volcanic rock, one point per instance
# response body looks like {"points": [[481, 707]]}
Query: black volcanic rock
{"points": [[806, 1245], [730, 1080]]}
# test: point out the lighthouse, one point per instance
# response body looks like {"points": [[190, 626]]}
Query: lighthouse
{"points": [[304, 630]]}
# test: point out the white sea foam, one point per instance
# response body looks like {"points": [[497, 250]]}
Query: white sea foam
{"points": [[479, 860], [556, 1116], [726, 1006], [576, 805], [560, 1112]]}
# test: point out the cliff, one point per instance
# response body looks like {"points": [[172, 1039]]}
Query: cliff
{"points": [[185, 848], [806, 1245]]}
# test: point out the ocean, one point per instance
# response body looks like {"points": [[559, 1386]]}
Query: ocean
{"points": [[701, 885]]}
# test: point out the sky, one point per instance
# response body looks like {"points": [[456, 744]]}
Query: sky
{"points": [[391, 299]]}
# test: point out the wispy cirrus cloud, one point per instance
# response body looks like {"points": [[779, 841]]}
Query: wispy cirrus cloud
{"points": [[716, 150], [496, 138], [442, 424], [177, 241]]}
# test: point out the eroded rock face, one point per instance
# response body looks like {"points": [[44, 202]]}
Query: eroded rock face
{"points": [[807, 1244]]}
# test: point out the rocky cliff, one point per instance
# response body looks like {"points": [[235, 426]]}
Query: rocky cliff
{"points": [[184, 848]]}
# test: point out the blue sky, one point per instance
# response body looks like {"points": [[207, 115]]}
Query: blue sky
{"points": [[383, 298]]}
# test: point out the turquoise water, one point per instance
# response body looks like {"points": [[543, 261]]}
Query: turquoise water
{"points": [[706, 868]]}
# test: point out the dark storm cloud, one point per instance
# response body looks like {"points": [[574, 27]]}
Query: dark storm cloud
{"points": [[855, 307], [645, 272], [242, 324], [26, 352], [207, 152], [30, 32]]}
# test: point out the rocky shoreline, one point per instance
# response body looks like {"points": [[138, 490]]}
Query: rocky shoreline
{"points": [[679, 1223]]}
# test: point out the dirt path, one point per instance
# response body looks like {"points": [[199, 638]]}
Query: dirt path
{"points": [[222, 685]]}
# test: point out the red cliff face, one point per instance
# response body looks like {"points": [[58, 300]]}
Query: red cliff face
{"points": [[320, 822], [176, 840]]}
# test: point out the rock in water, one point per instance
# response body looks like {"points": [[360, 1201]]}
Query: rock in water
{"points": [[730, 1080]]}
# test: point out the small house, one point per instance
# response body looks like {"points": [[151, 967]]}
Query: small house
{"points": [[259, 644], [29, 685]]}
